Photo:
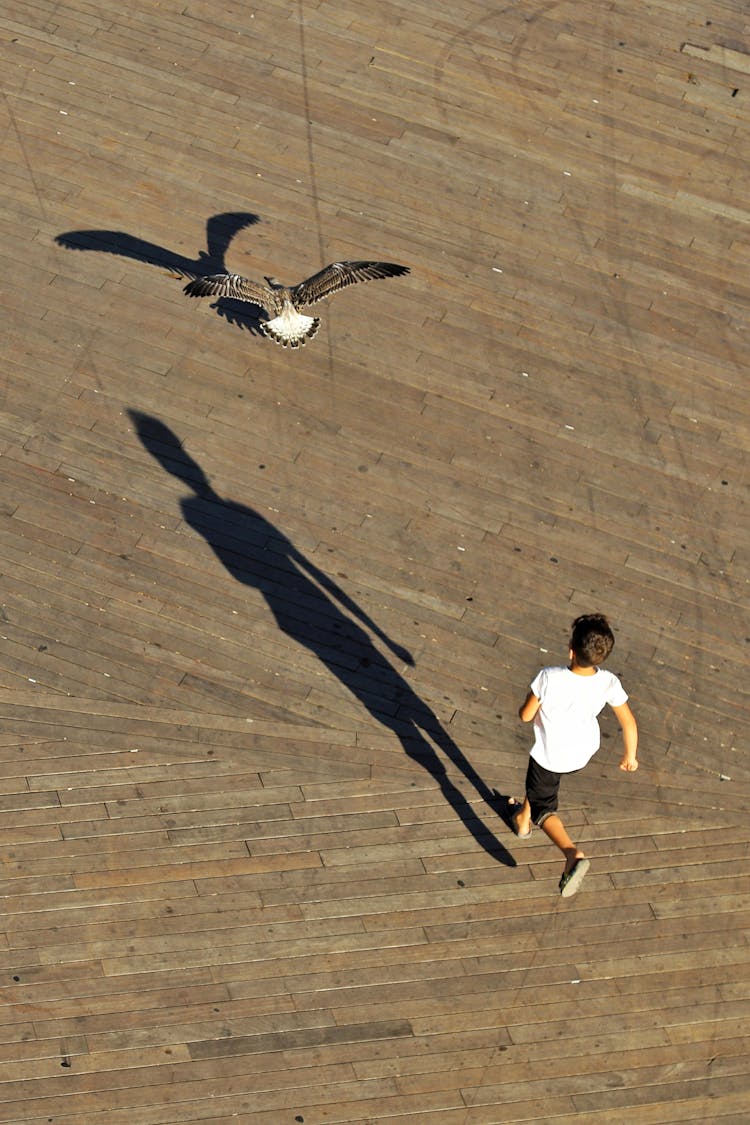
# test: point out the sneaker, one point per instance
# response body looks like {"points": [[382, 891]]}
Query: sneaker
{"points": [[571, 880]]}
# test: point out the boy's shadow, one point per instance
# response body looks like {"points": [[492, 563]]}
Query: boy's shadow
{"points": [[220, 230], [314, 611]]}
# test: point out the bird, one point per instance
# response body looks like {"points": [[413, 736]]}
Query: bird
{"points": [[286, 324]]}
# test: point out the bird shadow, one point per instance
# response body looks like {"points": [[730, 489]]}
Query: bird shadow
{"points": [[311, 609], [220, 230]]}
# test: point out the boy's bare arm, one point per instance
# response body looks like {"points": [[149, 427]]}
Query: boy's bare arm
{"points": [[529, 708], [626, 719]]}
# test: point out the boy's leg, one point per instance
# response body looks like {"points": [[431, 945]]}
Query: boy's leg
{"points": [[541, 797], [555, 829], [520, 816], [540, 807], [576, 864]]}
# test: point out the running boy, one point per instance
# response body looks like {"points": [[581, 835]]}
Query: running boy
{"points": [[563, 704]]}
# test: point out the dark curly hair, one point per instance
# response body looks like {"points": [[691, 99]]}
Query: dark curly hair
{"points": [[591, 639]]}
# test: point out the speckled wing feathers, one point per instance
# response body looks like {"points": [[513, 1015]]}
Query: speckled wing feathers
{"points": [[234, 285], [340, 274]]}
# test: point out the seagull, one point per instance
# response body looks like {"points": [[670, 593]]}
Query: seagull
{"points": [[286, 324]]}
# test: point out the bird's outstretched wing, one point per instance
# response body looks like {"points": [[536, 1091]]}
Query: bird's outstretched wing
{"points": [[233, 285], [338, 275]]}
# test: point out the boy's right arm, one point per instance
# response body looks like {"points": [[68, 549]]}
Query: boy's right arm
{"points": [[529, 708]]}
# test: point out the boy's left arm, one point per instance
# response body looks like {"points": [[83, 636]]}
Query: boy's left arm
{"points": [[626, 719]]}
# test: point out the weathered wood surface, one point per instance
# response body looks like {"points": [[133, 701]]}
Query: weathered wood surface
{"points": [[267, 617]]}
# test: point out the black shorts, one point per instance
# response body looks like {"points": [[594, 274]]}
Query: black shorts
{"points": [[542, 786]]}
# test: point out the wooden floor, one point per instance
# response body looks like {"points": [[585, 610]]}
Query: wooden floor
{"points": [[268, 616]]}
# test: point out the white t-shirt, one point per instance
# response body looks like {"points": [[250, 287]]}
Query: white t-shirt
{"points": [[565, 726]]}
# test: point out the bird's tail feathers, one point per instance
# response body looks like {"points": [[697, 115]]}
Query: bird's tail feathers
{"points": [[291, 333]]}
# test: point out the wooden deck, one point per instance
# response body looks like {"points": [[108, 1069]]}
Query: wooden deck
{"points": [[268, 616]]}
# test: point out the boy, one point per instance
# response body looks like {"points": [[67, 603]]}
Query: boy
{"points": [[563, 704]]}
